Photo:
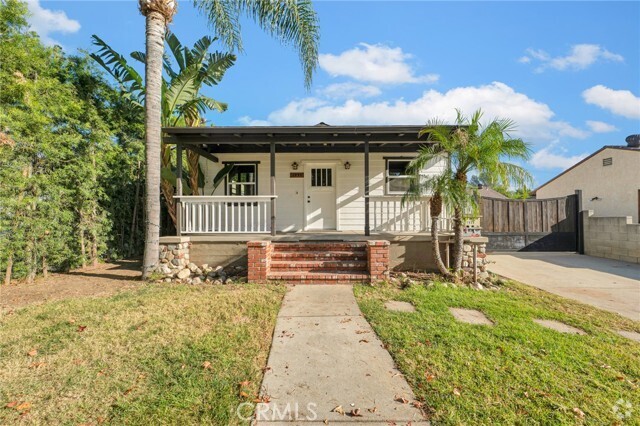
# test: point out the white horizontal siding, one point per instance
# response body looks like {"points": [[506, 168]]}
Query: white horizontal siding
{"points": [[290, 191]]}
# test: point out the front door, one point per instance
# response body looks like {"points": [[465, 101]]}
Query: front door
{"points": [[320, 197]]}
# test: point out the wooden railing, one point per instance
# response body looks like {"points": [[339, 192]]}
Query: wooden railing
{"points": [[218, 214], [389, 214]]}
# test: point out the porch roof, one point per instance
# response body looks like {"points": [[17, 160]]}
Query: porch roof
{"points": [[318, 138]]}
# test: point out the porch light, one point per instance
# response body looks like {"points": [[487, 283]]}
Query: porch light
{"points": [[294, 165], [347, 165]]}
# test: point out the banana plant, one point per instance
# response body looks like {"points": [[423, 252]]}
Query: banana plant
{"points": [[186, 71]]}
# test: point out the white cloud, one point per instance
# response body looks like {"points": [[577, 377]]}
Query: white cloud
{"points": [[620, 102], [350, 90], [248, 121], [580, 57], [535, 119], [547, 159], [600, 126], [375, 63], [47, 21]]}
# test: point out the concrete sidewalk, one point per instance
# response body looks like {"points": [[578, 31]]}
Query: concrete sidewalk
{"points": [[608, 284], [324, 355]]}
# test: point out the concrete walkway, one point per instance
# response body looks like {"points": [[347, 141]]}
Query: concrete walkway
{"points": [[325, 355], [608, 284]]}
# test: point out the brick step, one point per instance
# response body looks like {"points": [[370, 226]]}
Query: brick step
{"points": [[319, 246], [319, 255], [334, 277], [314, 265]]}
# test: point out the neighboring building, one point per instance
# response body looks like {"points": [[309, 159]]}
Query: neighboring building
{"points": [[488, 192], [609, 180]]}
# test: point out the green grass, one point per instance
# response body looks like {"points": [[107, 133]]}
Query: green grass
{"points": [[515, 372], [163, 354]]}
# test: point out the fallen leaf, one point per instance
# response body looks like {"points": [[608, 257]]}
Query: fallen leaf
{"points": [[621, 378], [345, 320], [206, 365], [456, 391], [578, 412], [37, 364], [338, 410], [372, 410], [401, 399], [81, 328], [361, 331], [11, 404], [244, 383], [605, 366], [72, 321], [32, 352], [363, 341], [24, 406], [355, 413], [430, 377], [244, 394], [325, 421], [128, 391], [417, 404]]}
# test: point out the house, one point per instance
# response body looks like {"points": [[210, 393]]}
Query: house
{"points": [[332, 192], [609, 180]]}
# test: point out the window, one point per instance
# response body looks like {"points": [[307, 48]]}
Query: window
{"points": [[242, 180], [397, 176], [321, 178], [607, 161]]}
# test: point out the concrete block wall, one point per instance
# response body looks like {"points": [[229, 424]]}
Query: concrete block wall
{"points": [[611, 237]]}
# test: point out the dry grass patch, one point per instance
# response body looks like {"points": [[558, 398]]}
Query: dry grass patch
{"points": [[163, 354]]}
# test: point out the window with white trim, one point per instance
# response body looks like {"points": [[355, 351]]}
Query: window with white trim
{"points": [[242, 180], [397, 176]]}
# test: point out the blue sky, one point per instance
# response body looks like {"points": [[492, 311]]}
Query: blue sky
{"points": [[567, 72]]}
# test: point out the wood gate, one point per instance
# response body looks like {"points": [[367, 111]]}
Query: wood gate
{"points": [[531, 225]]}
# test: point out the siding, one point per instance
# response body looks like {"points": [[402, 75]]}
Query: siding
{"points": [[290, 191]]}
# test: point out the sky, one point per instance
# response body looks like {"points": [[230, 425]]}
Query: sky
{"points": [[568, 73]]}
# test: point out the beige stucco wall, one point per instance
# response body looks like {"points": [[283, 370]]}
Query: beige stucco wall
{"points": [[616, 186], [290, 191], [611, 237]]}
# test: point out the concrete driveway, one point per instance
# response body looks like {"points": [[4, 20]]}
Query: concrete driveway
{"points": [[608, 284]]}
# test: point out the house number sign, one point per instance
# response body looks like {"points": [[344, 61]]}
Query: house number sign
{"points": [[296, 174]]}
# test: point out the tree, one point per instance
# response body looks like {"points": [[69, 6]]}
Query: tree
{"points": [[471, 146], [182, 102], [442, 189], [287, 20]]}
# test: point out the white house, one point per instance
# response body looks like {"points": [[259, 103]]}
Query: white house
{"points": [[609, 180], [306, 185]]}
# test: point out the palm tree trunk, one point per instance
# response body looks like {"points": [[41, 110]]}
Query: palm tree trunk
{"points": [[458, 238], [155, 33], [193, 160], [435, 207]]}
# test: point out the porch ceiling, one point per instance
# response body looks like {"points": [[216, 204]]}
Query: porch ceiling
{"points": [[318, 138]]}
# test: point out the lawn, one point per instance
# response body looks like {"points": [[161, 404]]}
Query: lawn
{"points": [[161, 354], [514, 372]]}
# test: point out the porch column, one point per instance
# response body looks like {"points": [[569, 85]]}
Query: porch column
{"points": [[179, 190], [272, 163], [367, 230]]}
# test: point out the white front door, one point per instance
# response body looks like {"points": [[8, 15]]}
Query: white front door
{"points": [[320, 197]]}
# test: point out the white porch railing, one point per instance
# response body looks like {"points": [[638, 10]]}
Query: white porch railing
{"points": [[388, 214], [218, 214]]}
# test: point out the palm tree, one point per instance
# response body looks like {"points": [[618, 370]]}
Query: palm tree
{"points": [[443, 190], [471, 146], [290, 21], [182, 103]]}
